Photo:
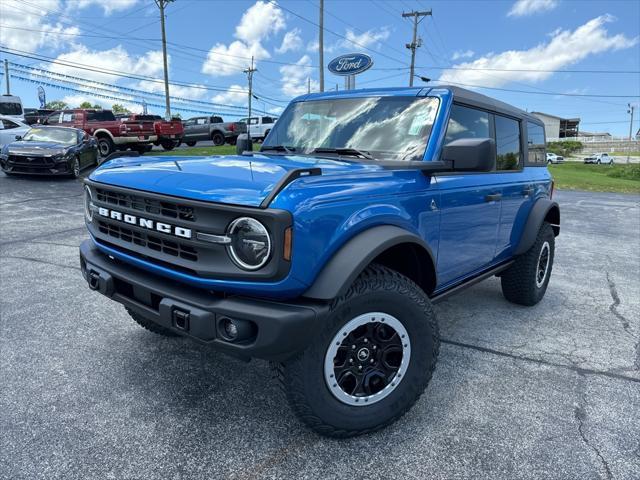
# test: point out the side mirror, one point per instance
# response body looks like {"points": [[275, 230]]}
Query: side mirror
{"points": [[18, 137], [471, 154], [243, 144]]}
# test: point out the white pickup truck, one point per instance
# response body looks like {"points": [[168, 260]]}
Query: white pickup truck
{"points": [[259, 126]]}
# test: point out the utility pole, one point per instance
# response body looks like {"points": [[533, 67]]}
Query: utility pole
{"points": [[6, 75], [161, 4], [321, 45], [249, 71], [417, 18], [631, 109]]}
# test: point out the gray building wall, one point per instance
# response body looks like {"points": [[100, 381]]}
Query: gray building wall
{"points": [[551, 125]]}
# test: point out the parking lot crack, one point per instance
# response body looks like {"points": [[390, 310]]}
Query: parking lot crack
{"points": [[573, 367], [613, 308], [29, 259], [580, 415]]}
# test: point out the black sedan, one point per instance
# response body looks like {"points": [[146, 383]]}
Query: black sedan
{"points": [[50, 151]]}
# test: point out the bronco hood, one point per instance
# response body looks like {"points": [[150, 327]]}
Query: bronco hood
{"points": [[237, 180]]}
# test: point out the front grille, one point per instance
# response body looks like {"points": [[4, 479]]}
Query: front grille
{"points": [[148, 205], [30, 161], [175, 249]]}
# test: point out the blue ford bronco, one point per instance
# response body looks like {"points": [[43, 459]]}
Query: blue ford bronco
{"points": [[324, 251]]}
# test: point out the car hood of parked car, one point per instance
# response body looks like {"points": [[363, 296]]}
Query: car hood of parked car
{"points": [[237, 180], [36, 148]]}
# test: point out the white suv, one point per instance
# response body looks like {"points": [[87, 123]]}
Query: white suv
{"points": [[259, 126], [553, 158], [599, 158]]}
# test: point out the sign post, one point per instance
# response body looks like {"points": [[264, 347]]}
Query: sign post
{"points": [[349, 66]]}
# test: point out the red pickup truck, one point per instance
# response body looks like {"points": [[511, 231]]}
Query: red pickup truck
{"points": [[111, 133], [169, 133]]}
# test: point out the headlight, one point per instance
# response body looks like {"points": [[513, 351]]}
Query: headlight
{"points": [[88, 204], [250, 245]]}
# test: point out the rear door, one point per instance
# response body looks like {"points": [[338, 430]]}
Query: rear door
{"points": [[469, 205]]}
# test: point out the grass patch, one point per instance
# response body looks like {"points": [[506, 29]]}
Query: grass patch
{"points": [[597, 178], [200, 151], [625, 154]]}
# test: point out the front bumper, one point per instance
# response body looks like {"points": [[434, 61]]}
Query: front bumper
{"points": [[42, 167], [280, 329]]}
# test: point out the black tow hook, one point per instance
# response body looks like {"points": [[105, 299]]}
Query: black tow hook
{"points": [[94, 280]]}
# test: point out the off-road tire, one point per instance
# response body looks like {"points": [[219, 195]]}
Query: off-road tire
{"points": [[191, 144], [519, 280], [105, 146], [377, 289], [151, 326], [217, 138]]}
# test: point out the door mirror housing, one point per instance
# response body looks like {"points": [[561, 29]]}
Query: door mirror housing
{"points": [[243, 144], [471, 154], [18, 137]]}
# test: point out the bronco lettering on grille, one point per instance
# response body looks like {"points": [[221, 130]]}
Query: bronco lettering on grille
{"points": [[145, 223]]}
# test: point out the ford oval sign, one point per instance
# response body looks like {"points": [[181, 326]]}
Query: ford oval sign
{"points": [[351, 64]]}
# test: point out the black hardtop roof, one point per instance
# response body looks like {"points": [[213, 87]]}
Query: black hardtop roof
{"points": [[469, 97]]}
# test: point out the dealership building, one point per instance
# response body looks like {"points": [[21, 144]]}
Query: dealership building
{"points": [[558, 127]]}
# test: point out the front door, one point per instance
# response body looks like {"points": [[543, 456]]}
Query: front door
{"points": [[469, 205]]}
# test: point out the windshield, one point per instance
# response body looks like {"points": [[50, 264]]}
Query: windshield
{"points": [[64, 136], [386, 128], [10, 108]]}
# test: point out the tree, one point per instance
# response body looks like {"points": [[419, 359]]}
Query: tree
{"points": [[56, 105], [86, 104], [117, 108]]}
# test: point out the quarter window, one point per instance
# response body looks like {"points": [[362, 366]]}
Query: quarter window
{"points": [[466, 122], [507, 143], [536, 144]]}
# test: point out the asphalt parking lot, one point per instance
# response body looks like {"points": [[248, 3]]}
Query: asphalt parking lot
{"points": [[549, 392]]}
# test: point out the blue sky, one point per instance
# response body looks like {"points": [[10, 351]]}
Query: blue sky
{"points": [[489, 44]]}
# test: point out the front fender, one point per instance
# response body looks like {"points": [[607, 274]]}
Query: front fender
{"points": [[349, 262]]}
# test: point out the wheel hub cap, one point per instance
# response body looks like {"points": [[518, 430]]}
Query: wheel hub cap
{"points": [[367, 359], [543, 264]]}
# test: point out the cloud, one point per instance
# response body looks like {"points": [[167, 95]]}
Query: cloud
{"points": [[116, 59], [528, 7], [563, 49], [365, 39], [258, 23], [292, 41], [295, 78], [109, 6], [25, 28], [235, 95], [462, 54]]}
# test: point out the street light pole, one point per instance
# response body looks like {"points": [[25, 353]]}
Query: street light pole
{"points": [[161, 4], [249, 71], [631, 109]]}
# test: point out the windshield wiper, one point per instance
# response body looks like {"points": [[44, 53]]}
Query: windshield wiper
{"points": [[352, 152], [278, 148]]}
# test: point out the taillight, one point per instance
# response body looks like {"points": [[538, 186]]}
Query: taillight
{"points": [[232, 127], [553, 186]]}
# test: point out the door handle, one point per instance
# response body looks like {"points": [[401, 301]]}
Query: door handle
{"points": [[494, 197], [527, 191]]}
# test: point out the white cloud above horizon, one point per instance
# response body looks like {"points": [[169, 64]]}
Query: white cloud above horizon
{"points": [[108, 6], [296, 79], [292, 41], [462, 54], [524, 8], [258, 23], [565, 48]]}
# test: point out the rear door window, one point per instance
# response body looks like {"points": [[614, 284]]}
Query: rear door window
{"points": [[507, 143], [466, 122], [536, 144]]}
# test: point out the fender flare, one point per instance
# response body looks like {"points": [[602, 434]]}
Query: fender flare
{"points": [[101, 131], [355, 255], [537, 215]]}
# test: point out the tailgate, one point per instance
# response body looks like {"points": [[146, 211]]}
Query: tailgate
{"points": [[169, 128], [139, 127]]}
